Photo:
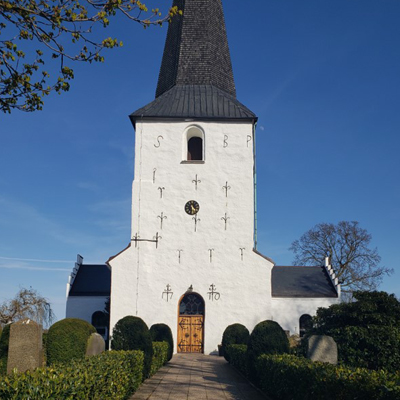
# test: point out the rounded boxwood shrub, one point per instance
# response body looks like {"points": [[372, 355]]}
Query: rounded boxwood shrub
{"points": [[267, 337], [234, 334], [132, 333], [67, 340], [4, 340], [366, 330], [162, 333]]}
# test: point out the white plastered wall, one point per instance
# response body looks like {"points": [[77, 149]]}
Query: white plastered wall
{"points": [[287, 311], [141, 273]]}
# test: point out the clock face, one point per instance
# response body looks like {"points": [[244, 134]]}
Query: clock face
{"points": [[192, 207]]}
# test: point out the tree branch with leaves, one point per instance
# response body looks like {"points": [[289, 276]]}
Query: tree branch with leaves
{"points": [[347, 245], [54, 27]]}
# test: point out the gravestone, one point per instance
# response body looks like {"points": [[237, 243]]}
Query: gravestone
{"points": [[322, 348], [25, 351], [95, 345], [294, 340]]}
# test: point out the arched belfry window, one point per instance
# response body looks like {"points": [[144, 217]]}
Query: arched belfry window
{"points": [[194, 144], [305, 324], [195, 149]]}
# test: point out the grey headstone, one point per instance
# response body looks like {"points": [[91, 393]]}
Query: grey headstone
{"points": [[294, 340], [95, 345], [323, 349], [25, 350]]}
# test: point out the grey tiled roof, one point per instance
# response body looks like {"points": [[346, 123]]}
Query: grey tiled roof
{"points": [[196, 49], [196, 77], [92, 280], [195, 101], [301, 282]]}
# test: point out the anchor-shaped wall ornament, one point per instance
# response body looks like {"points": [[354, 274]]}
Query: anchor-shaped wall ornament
{"points": [[156, 239], [226, 188], [196, 182], [225, 219], [167, 292], [161, 189], [196, 220], [136, 239], [162, 217], [213, 294]]}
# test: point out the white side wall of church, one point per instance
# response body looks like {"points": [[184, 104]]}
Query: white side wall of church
{"points": [[287, 311], [83, 307]]}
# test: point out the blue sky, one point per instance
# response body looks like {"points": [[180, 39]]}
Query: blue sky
{"points": [[322, 76]]}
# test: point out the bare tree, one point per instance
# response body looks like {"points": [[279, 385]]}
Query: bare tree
{"points": [[27, 303], [347, 246]]}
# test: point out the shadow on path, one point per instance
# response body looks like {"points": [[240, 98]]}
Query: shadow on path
{"points": [[197, 377]]}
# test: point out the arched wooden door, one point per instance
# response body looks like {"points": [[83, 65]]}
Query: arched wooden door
{"points": [[191, 324]]}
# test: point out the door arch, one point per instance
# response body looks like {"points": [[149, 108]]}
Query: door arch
{"points": [[191, 313]]}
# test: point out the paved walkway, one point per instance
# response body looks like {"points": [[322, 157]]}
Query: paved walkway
{"points": [[197, 377]]}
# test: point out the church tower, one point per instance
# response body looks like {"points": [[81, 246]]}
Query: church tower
{"points": [[191, 262]]}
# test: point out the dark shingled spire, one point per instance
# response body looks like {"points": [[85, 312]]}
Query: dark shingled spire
{"points": [[196, 50], [196, 78]]}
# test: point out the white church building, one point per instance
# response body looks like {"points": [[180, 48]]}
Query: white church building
{"points": [[191, 262]]}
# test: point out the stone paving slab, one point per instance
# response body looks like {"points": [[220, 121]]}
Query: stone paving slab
{"points": [[197, 377]]}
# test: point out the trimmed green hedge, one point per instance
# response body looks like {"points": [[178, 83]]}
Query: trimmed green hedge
{"points": [[160, 356], [234, 334], [110, 375], [237, 354], [267, 337], [162, 333], [132, 333], [67, 340], [287, 377]]}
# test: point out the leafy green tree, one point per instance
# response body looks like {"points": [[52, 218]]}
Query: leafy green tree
{"points": [[367, 330], [60, 30], [348, 247]]}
